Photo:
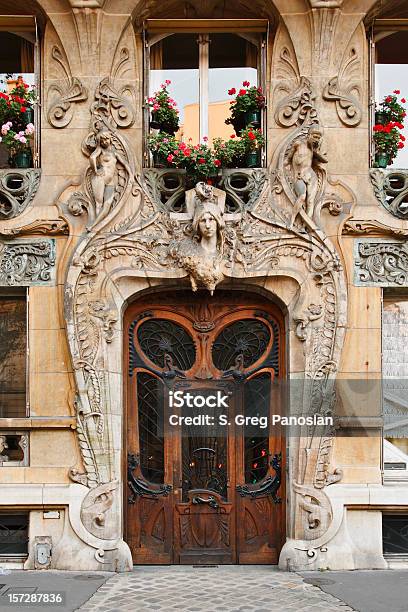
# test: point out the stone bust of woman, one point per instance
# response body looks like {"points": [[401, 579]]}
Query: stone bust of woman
{"points": [[201, 255]]}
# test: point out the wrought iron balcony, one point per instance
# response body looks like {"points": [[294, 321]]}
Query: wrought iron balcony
{"points": [[243, 187], [391, 190]]}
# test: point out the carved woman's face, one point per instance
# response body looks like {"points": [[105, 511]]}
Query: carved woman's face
{"points": [[207, 225]]}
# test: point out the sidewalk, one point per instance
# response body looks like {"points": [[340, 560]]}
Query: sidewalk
{"points": [[216, 589]]}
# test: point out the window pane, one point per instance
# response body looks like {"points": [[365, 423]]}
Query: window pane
{"points": [[13, 347], [233, 59], [175, 58], [257, 398], [150, 405], [391, 73]]}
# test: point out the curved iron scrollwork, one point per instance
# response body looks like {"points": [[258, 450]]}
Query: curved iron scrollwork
{"points": [[211, 501], [269, 486], [159, 338], [248, 337], [139, 487]]}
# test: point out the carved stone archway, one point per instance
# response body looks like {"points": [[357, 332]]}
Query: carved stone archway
{"points": [[131, 241]]}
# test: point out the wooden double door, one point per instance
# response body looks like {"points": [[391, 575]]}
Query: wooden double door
{"points": [[203, 458]]}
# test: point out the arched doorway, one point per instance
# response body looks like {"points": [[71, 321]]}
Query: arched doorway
{"points": [[203, 457]]}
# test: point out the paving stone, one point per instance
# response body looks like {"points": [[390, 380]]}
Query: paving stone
{"points": [[221, 589]]}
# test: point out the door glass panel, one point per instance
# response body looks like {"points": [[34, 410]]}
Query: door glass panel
{"points": [[204, 455], [257, 397], [175, 58], [233, 60], [151, 440], [166, 344], [248, 338]]}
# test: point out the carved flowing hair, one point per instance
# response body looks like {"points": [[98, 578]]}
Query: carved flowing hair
{"points": [[214, 210]]}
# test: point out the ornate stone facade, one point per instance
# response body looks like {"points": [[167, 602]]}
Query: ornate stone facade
{"points": [[118, 232]]}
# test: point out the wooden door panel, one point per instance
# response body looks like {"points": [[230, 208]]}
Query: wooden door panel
{"points": [[205, 530], [193, 342]]}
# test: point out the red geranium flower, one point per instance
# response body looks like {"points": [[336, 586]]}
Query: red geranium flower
{"points": [[403, 100], [232, 136], [242, 92], [232, 91], [246, 83], [23, 109], [217, 162], [400, 145], [388, 99], [201, 160], [397, 91], [251, 136]]}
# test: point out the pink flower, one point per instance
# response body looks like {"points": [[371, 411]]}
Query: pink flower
{"points": [[156, 107], [205, 138], [167, 82], [166, 140], [5, 128], [170, 158], [23, 139], [29, 129]]}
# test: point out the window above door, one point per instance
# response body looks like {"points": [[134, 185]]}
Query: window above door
{"points": [[203, 64]]}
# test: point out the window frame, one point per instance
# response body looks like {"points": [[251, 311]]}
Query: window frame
{"points": [[29, 23], [11, 292], [155, 30], [378, 26]]}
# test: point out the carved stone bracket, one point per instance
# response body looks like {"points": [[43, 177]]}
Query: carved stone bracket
{"points": [[380, 263], [391, 190], [49, 227], [298, 106], [61, 97], [26, 263], [17, 191]]}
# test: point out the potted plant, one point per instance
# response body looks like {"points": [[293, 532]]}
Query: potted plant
{"points": [[246, 108], [390, 109], [162, 145], [164, 112], [388, 140], [231, 152], [17, 106], [253, 141], [18, 144]]}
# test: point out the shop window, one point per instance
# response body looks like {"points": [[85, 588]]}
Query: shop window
{"points": [[19, 95], [13, 535], [13, 354], [202, 66], [389, 45]]}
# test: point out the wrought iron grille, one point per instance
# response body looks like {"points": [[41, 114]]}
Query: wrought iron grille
{"points": [[257, 396], [161, 337], [395, 533], [248, 337], [150, 407], [13, 534], [204, 464]]}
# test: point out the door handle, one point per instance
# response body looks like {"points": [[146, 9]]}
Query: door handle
{"points": [[211, 501]]}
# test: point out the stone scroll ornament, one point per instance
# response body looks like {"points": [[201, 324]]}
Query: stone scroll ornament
{"points": [[345, 91], [129, 234], [27, 262], [62, 96]]}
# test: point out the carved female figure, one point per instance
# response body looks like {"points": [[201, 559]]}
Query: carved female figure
{"points": [[104, 162]]}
